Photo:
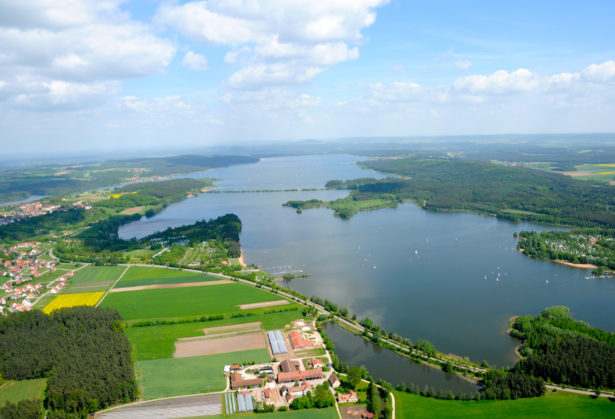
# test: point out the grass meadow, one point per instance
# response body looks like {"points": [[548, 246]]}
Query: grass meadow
{"points": [[197, 374], [560, 404], [15, 391], [184, 302], [137, 276]]}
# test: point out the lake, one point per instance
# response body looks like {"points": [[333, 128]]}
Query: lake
{"points": [[454, 279], [394, 368]]}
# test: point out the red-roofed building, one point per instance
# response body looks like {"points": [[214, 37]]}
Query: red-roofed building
{"points": [[297, 340], [291, 377], [350, 397]]}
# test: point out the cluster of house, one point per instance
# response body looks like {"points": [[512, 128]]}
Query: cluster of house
{"points": [[33, 209], [24, 269], [283, 374], [287, 380]]}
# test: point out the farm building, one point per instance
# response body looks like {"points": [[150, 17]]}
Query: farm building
{"points": [[276, 341], [334, 381], [291, 377], [238, 382], [350, 397], [244, 402], [297, 340]]}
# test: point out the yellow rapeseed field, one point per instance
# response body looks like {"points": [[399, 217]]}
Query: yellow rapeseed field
{"points": [[607, 165], [607, 173], [72, 300]]}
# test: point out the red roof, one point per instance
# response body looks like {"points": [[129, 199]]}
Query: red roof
{"points": [[297, 340], [289, 377]]}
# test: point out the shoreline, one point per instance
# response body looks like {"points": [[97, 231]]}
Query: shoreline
{"points": [[241, 260], [563, 262], [576, 265], [510, 323]]}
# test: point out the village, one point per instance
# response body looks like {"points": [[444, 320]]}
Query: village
{"points": [[13, 213], [293, 373], [29, 274]]}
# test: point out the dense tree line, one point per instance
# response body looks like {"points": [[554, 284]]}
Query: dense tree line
{"points": [[82, 350], [559, 348], [321, 398], [25, 409], [511, 385], [509, 192], [576, 361]]}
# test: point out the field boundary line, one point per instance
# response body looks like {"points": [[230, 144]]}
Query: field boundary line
{"points": [[112, 286]]}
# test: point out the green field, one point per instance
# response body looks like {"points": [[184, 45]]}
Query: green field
{"points": [[14, 391], [184, 302], [155, 342], [552, 405], [198, 374], [137, 276], [94, 279]]}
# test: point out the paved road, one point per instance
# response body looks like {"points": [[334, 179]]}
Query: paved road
{"points": [[176, 407], [574, 390]]}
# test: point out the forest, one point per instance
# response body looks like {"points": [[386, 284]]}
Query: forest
{"points": [[225, 229], [514, 193], [563, 350], [82, 350], [595, 246]]}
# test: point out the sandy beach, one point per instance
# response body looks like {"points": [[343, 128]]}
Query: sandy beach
{"points": [[576, 265], [240, 260]]}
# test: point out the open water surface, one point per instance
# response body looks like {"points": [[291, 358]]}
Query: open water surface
{"points": [[454, 279]]}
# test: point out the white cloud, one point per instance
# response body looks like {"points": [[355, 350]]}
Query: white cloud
{"points": [[57, 94], [589, 86], [195, 61], [83, 44], [600, 73], [500, 82], [275, 42], [463, 65]]}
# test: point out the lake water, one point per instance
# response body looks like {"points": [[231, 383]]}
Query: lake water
{"points": [[391, 367], [451, 278]]}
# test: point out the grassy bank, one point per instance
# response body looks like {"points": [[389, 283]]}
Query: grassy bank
{"points": [[558, 404]]}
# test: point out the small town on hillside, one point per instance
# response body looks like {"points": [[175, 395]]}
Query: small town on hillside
{"points": [[29, 274]]}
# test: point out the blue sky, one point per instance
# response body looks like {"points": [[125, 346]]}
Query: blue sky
{"points": [[88, 75]]}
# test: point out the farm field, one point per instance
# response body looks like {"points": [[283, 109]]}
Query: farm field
{"points": [[552, 405], [198, 374], [330, 413], [72, 300], [93, 279], [600, 172], [15, 391], [154, 342], [138, 276], [184, 302]]}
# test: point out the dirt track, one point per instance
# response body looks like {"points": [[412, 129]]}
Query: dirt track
{"points": [[182, 285], [209, 346], [261, 305]]}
